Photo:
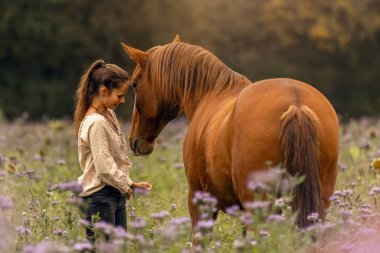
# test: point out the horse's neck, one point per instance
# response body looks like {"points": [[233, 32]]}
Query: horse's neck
{"points": [[190, 104]]}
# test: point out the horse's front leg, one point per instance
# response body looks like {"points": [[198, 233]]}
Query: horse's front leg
{"points": [[201, 222]]}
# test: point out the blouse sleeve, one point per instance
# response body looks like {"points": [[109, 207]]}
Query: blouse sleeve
{"points": [[129, 166], [104, 163]]}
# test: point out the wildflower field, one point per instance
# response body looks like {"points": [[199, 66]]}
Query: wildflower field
{"points": [[39, 203]]}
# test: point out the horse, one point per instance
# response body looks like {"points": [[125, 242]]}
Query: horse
{"points": [[235, 126]]}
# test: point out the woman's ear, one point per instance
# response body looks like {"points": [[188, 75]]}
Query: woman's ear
{"points": [[103, 90]]}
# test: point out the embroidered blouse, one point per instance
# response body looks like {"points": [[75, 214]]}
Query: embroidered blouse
{"points": [[103, 156]]}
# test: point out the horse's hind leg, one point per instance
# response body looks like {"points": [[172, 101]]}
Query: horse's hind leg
{"points": [[328, 174], [194, 215]]}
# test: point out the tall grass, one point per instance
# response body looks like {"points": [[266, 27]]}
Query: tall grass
{"points": [[39, 213]]}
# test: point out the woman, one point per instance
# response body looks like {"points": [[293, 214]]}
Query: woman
{"points": [[102, 146]]}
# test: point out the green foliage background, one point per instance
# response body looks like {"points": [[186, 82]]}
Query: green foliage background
{"points": [[45, 46]]}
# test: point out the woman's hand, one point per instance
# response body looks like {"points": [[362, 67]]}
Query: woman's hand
{"points": [[141, 186]]}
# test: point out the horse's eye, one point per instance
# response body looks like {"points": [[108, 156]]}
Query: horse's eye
{"points": [[134, 85]]}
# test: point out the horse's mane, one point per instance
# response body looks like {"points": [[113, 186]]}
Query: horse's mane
{"points": [[189, 70]]}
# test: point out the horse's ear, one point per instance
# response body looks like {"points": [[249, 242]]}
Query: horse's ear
{"points": [[176, 39], [136, 55]]}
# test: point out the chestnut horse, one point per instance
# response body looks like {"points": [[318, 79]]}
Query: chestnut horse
{"points": [[235, 126]]}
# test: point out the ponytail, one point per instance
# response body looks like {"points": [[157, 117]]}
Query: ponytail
{"points": [[99, 73], [85, 93]]}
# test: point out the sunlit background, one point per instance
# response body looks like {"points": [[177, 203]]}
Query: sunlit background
{"points": [[45, 46]]}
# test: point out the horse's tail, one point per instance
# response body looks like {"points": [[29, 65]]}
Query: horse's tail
{"points": [[300, 147]]}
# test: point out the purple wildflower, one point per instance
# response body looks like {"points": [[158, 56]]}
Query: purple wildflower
{"points": [[276, 218], [160, 215], [169, 233], [73, 186], [39, 158], [132, 215], [74, 200], [246, 218], [46, 247], [201, 198], [120, 232], [60, 232], [365, 144], [232, 210], [342, 167], [206, 204], [335, 199], [265, 180], [83, 222], [347, 247], [179, 221], [105, 246], [238, 244], [83, 246], [6, 203], [256, 205], [279, 202], [21, 231], [178, 166], [313, 217], [264, 233], [161, 159], [347, 192], [374, 191], [140, 191], [345, 214], [105, 227], [258, 186], [29, 174], [60, 162], [138, 223], [365, 231], [205, 225]]}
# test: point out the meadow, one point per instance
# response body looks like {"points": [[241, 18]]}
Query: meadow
{"points": [[39, 203]]}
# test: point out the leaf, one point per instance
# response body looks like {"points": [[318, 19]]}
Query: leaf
{"points": [[354, 153], [10, 167]]}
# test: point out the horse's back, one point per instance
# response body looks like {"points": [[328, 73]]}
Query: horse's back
{"points": [[268, 99]]}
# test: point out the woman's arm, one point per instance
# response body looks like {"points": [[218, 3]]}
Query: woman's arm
{"points": [[105, 165]]}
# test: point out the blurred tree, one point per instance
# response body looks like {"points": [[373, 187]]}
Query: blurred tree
{"points": [[331, 44], [46, 45]]}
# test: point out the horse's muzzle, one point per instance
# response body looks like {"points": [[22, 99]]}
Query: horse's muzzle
{"points": [[141, 146]]}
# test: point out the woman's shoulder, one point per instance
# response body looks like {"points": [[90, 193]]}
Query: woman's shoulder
{"points": [[92, 119]]}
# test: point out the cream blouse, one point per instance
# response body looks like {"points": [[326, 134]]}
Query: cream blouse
{"points": [[102, 155]]}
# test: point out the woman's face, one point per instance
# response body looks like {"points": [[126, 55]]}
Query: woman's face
{"points": [[116, 96]]}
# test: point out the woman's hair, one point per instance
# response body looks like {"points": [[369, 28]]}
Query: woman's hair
{"points": [[99, 73]]}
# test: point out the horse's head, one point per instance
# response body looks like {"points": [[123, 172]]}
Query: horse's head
{"points": [[151, 111]]}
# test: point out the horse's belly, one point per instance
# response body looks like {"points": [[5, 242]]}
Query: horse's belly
{"points": [[220, 184]]}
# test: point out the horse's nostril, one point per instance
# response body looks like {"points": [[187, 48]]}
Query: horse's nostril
{"points": [[135, 143]]}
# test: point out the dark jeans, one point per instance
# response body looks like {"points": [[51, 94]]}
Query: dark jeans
{"points": [[109, 203]]}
